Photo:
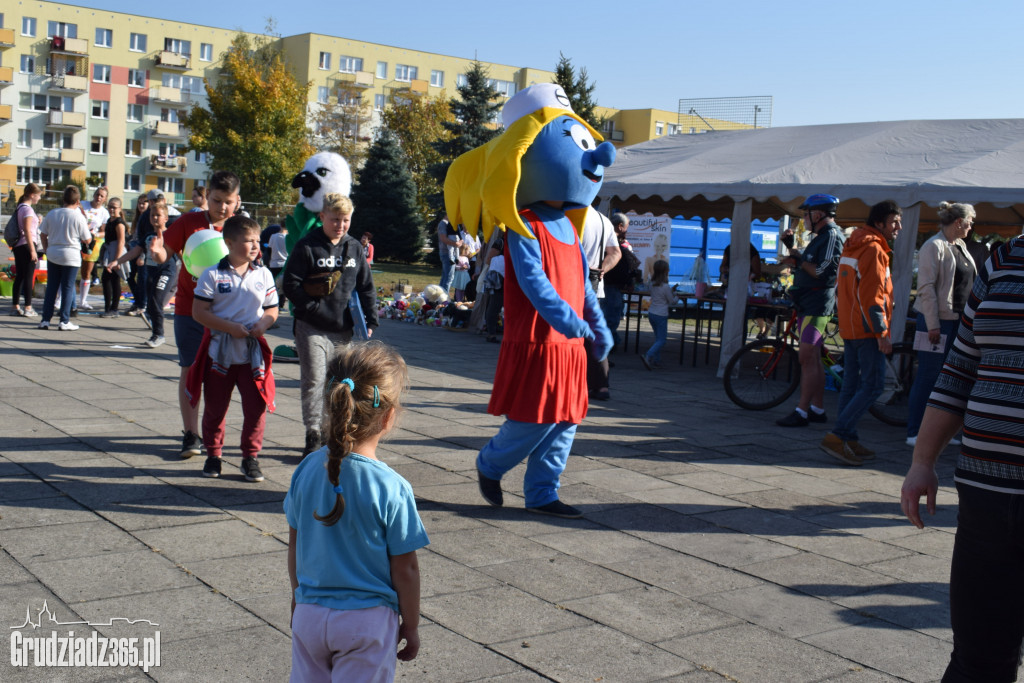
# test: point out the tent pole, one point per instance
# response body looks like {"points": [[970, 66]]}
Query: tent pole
{"points": [[903, 270], [734, 325]]}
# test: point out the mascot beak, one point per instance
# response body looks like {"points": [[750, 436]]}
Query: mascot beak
{"points": [[308, 182]]}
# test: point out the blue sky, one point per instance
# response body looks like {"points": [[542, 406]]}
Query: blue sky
{"points": [[868, 60]]}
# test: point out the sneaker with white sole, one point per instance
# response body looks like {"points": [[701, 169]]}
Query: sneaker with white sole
{"points": [[29, 313], [191, 444], [212, 467], [44, 325], [67, 327], [155, 341], [911, 441], [251, 469]]}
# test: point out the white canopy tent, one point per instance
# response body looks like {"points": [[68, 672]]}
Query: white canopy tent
{"points": [[766, 173]]}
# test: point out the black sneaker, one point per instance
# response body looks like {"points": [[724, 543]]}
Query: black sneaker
{"points": [[794, 419], [212, 467], [251, 469], [313, 442], [191, 445], [490, 489], [817, 417], [557, 508]]}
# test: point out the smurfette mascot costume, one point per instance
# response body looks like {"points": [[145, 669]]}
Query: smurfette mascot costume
{"points": [[536, 180]]}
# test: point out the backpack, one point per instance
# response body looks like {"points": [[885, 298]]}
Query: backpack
{"points": [[12, 231]]}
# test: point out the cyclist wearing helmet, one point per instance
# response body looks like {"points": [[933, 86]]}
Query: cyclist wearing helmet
{"points": [[814, 296]]}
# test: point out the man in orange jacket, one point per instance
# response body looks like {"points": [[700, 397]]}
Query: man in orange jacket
{"points": [[865, 321]]}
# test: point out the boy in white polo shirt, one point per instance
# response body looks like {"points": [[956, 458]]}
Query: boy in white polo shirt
{"points": [[236, 301]]}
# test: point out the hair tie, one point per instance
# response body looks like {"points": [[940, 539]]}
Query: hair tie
{"points": [[338, 489], [350, 383], [376, 397]]}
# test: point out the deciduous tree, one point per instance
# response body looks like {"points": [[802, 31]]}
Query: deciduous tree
{"points": [[419, 125], [343, 126], [255, 120]]}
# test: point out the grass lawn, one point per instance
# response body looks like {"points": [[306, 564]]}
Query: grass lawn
{"points": [[418, 275]]}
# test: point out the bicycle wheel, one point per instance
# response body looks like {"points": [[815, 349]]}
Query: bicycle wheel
{"points": [[892, 406], [762, 374]]}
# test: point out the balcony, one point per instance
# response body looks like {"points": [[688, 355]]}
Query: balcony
{"points": [[165, 93], [69, 46], [167, 129], [5, 151], [65, 120], [64, 157], [6, 76], [5, 112], [68, 83], [168, 164], [356, 79], [6, 38], [172, 60]]}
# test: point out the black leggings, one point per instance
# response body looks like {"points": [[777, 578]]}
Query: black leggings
{"points": [[111, 290], [24, 276]]}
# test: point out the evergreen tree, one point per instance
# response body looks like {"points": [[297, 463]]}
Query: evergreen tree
{"points": [[581, 93], [385, 203], [476, 111]]}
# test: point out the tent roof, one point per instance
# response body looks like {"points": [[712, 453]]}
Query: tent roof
{"points": [[980, 162]]}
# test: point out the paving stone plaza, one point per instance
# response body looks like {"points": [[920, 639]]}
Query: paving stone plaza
{"points": [[714, 546]]}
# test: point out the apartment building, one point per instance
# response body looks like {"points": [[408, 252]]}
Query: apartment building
{"points": [[97, 95]]}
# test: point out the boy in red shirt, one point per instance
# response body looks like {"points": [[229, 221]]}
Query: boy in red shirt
{"points": [[222, 201]]}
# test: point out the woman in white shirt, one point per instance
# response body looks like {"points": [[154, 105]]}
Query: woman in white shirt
{"points": [[96, 217], [63, 232]]}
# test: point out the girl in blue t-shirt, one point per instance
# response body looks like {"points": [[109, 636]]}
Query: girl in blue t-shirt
{"points": [[354, 531]]}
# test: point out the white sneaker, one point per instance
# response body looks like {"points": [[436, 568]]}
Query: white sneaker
{"points": [[154, 341], [30, 313], [85, 305], [911, 441], [67, 327]]}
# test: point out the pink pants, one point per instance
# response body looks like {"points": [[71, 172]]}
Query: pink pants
{"points": [[217, 389], [344, 646]]}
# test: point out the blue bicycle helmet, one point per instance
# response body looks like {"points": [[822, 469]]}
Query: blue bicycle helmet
{"points": [[822, 202]]}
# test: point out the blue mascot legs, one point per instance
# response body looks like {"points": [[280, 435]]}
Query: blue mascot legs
{"points": [[546, 445]]}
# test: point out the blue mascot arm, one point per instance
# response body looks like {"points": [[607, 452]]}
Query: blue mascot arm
{"points": [[595, 318], [529, 269]]}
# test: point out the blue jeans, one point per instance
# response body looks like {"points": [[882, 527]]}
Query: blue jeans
{"points": [[986, 594], [659, 323], [611, 306], [60, 278], [447, 271], [863, 382], [929, 366], [546, 447]]}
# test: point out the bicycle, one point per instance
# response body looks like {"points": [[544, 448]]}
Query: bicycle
{"points": [[766, 372]]}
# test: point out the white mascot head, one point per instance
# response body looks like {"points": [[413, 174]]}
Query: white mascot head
{"points": [[324, 173]]}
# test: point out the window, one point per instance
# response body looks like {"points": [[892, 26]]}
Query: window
{"points": [[135, 112], [206, 52], [41, 176], [437, 78], [321, 94], [57, 141], [28, 26], [171, 80], [192, 84], [405, 73], [28, 64], [39, 102], [98, 145], [659, 127], [325, 60], [169, 115], [131, 183], [378, 102], [24, 137], [100, 109], [59, 28], [137, 42], [673, 129], [136, 78], [350, 65], [181, 47], [104, 37], [201, 157], [132, 148], [382, 70], [102, 175], [506, 88], [461, 81], [168, 149], [101, 73], [171, 185]]}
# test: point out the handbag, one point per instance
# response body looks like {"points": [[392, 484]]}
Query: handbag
{"points": [[322, 284]]}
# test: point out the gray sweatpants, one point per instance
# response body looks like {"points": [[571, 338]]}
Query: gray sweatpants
{"points": [[315, 348]]}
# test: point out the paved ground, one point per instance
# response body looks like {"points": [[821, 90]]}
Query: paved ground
{"points": [[715, 546]]}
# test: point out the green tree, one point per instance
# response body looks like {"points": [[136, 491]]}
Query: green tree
{"points": [[255, 125], [385, 202], [475, 111], [419, 123], [580, 92], [343, 126]]}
